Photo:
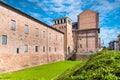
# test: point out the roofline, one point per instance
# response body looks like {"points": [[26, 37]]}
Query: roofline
{"points": [[86, 10], [28, 16]]}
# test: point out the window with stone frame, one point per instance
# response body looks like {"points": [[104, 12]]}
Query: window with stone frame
{"points": [[36, 32], [55, 49], [25, 48], [43, 34], [49, 49], [80, 45], [26, 29], [4, 39], [43, 48], [36, 48], [13, 25]]}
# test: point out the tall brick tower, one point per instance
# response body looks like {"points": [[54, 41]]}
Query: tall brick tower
{"points": [[87, 41], [65, 25]]}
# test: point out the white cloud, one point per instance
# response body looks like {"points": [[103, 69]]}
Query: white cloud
{"points": [[108, 35], [71, 7], [104, 7], [73, 15]]}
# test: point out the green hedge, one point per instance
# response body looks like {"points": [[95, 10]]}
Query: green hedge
{"points": [[104, 65]]}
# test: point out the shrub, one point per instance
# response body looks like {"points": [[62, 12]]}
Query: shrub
{"points": [[104, 65]]}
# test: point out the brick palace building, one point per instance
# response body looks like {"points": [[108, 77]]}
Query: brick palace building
{"points": [[27, 41]]}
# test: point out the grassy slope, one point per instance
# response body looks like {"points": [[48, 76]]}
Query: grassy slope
{"points": [[44, 72], [104, 65]]}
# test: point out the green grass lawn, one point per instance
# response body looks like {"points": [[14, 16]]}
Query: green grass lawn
{"points": [[44, 72]]}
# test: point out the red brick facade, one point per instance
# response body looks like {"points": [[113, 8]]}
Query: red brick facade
{"points": [[26, 41], [65, 25], [87, 33]]}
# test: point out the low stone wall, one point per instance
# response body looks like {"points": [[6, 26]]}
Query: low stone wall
{"points": [[11, 62], [82, 56]]}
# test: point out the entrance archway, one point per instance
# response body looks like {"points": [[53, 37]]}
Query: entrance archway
{"points": [[68, 49]]}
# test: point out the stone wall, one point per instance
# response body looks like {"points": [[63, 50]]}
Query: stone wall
{"points": [[52, 40], [82, 56], [10, 62], [88, 32]]}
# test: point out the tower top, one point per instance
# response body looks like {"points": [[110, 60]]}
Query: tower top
{"points": [[62, 18], [87, 11], [62, 21]]}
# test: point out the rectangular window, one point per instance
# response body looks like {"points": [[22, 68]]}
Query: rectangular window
{"points": [[12, 25], [64, 26], [62, 20], [4, 39], [49, 49], [55, 49], [80, 45], [17, 50], [56, 22], [43, 34], [36, 32], [25, 48], [59, 21], [36, 48], [43, 48], [26, 29]]}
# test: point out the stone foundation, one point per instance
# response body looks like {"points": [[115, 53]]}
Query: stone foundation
{"points": [[9, 63], [82, 56]]}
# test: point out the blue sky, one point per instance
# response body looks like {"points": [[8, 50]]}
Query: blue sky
{"points": [[48, 10]]}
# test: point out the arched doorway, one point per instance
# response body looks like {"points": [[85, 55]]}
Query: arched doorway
{"points": [[68, 49]]}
